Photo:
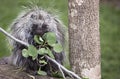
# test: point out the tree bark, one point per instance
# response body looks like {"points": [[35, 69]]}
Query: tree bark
{"points": [[84, 38]]}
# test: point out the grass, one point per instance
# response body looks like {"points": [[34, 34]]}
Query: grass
{"points": [[110, 41]]}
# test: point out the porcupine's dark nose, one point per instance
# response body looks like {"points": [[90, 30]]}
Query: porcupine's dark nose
{"points": [[37, 30]]}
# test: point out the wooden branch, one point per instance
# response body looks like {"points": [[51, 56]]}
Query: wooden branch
{"points": [[64, 69], [13, 38], [61, 68], [62, 72]]}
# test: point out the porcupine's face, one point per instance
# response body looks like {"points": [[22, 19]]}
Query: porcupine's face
{"points": [[42, 22], [36, 22]]}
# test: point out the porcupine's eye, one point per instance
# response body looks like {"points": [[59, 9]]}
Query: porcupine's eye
{"points": [[32, 16]]}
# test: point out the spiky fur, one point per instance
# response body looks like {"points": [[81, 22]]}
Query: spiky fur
{"points": [[22, 29]]}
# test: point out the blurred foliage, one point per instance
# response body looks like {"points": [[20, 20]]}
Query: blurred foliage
{"points": [[110, 41]]}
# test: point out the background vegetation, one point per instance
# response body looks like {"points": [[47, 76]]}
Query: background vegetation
{"points": [[110, 40], [109, 28]]}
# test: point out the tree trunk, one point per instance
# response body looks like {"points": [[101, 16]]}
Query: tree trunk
{"points": [[84, 38]]}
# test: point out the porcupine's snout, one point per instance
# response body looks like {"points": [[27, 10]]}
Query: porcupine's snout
{"points": [[39, 30]]}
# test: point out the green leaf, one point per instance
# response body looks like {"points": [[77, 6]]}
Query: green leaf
{"points": [[38, 39], [25, 53], [41, 39], [85, 78], [32, 51], [50, 53], [42, 51], [41, 72], [34, 57], [50, 37], [43, 62], [57, 48]]}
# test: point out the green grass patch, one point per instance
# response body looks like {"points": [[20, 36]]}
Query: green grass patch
{"points": [[110, 41]]}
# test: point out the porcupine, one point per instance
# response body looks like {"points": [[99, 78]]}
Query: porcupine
{"points": [[33, 22]]}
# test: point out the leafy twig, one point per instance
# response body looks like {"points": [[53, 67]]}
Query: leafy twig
{"points": [[62, 68]]}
